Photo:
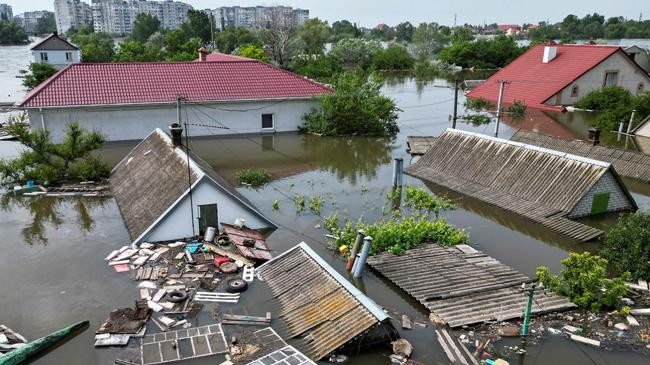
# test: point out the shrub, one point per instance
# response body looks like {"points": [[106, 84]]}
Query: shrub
{"points": [[478, 104], [254, 177], [395, 57], [299, 203], [355, 52], [482, 53], [315, 204], [38, 72], [615, 105], [323, 68], [627, 246], [422, 201], [583, 281], [517, 109], [356, 107]]}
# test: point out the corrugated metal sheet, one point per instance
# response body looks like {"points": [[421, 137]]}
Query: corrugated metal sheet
{"points": [[418, 145], [461, 285], [318, 306], [259, 251], [630, 164], [541, 185]]}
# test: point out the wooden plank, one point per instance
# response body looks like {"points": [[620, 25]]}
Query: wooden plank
{"points": [[585, 340], [452, 345], [229, 254]]}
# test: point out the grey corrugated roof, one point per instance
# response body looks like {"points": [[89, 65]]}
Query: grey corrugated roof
{"points": [[318, 305], [54, 43], [153, 177], [461, 285], [540, 184], [635, 165]]}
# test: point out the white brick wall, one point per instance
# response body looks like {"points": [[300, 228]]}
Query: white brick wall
{"points": [[618, 201]]}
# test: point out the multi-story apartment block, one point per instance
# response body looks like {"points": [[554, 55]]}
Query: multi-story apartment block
{"points": [[71, 13], [6, 13], [118, 16], [258, 16], [29, 20]]}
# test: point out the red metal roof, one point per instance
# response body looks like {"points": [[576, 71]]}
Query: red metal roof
{"points": [[163, 82], [220, 57], [534, 82]]}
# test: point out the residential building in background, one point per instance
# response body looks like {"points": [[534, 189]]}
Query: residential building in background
{"points": [[6, 13], [118, 16], [71, 14], [258, 16], [29, 20], [56, 51]]}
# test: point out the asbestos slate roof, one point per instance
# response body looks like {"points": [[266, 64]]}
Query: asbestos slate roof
{"points": [[85, 84], [635, 165], [318, 306], [54, 43], [540, 184], [461, 285]]}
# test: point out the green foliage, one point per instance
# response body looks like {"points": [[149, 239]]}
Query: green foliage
{"points": [[355, 52], [135, 51], [254, 177], [517, 109], [627, 246], [344, 29], [424, 202], [482, 53], [394, 57], [429, 39], [144, 26], [404, 32], [625, 311], [38, 72], [46, 24], [230, 39], [12, 33], [299, 203], [477, 119], [254, 52], [591, 26], [615, 105], [197, 25], [478, 104], [95, 47], [397, 235], [45, 161], [323, 68], [276, 205], [315, 33], [583, 280], [356, 107], [461, 34], [315, 204]]}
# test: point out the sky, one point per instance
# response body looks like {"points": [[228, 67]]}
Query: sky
{"points": [[369, 13]]}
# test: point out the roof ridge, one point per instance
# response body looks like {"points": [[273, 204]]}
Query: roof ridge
{"points": [[533, 148]]}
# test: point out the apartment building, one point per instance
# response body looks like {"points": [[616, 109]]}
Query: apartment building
{"points": [[258, 16], [6, 13], [71, 14], [29, 20], [118, 16]]}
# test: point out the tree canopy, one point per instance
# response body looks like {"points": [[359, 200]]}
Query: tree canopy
{"points": [[482, 53], [12, 33], [46, 24], [315, 33], [144, 26], [38, 72]]}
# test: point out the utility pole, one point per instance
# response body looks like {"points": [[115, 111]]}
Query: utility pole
{"points": [[529, 309], [455, 18], [453, 124], [187, 153], [499, 103]]}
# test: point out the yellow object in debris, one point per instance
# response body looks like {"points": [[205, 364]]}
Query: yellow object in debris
{"points": [[343, 249]]}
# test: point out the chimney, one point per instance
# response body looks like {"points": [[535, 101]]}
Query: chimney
{"points": [[550, 52], [202, 56], [594, 136], [177, 133]]}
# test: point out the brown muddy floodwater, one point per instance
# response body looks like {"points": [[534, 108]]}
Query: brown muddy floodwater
{"points": [[53, 273]]}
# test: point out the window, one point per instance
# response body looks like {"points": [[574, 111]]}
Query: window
{"points": [[574, 91], [610, 78], [267, 121], [44, 56], [68, 56], [640, 88]]}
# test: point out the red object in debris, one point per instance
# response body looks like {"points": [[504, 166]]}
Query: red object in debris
{"points": [[121, 267], [220, 260], [486, 356]]}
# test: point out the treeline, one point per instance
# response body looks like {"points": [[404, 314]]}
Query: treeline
{"points": [[591, 26], [11, 33]]}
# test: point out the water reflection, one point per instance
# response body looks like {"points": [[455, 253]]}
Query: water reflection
{"points": [[46, 211]]}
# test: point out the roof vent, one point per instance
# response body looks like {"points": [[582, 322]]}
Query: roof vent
{"points": [[177, 133], [550, 52], [202, 56]]}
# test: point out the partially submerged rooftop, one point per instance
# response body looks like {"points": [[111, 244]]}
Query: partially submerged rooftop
{"points": [[318, 307], [543, 185], [462, 286]]}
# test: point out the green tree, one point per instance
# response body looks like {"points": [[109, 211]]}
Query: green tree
{"points": [[12, 33], [356, 107], [254, 52], [144, 26], [135, 51], [46, 161], [355, 52], [197, 25], [482, 53], [95, 47], [230, 39], [38, 72], [615, 105], [315, 33], [394, 57], [404, 32], [324, 68], [627, 246], [461, 34], [46, 24], [344, 29], [428, 39]]}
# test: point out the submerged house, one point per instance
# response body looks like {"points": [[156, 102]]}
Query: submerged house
{"points": [[126, 101], [165, 194], [551, 76], [545, 186], [56, 51]]}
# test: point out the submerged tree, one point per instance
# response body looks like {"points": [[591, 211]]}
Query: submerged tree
{"points": [[38, 72], [45, 161]]}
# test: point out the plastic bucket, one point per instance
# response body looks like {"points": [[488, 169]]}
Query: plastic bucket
{"points": [[210, 233]]}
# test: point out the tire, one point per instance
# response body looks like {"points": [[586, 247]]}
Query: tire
{"points": [[237, 285], [176, 296]]}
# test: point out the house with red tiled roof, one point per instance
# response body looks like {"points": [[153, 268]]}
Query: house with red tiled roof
{"points": [[552, 76], [219, 95]]}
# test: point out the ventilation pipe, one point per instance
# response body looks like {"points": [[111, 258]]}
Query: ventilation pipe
{"points": [[177, 133], [202, 54], [594, 136], [550, 52]]}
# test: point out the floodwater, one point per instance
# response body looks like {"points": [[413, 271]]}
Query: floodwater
{"points": [[13, 60], [52, 267]]}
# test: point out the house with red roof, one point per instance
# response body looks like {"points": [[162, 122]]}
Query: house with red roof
{"points": [[552, 76], [218, 94]]}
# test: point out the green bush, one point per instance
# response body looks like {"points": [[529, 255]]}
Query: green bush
{"points": [[424, 202], [356, 107], [627, 246], [482, 53], [323, 68], [394, 57], [38, 72], [517, 109], [615, 105], [584, 281], [90, 168], [478, 104], [254, 177]]}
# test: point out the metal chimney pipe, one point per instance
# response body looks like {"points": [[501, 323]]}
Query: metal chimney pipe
{"points": [[176, 132], [361, 261], [355, 250]]}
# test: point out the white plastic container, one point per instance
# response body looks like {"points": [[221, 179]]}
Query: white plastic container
{"points": [[210, 233], [239, 222]]}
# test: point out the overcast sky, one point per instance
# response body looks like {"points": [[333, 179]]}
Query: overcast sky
{"points": [[371, 12]]}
